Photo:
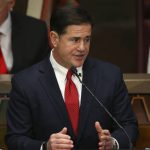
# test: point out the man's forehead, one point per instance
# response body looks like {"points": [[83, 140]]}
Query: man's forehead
{"points": [[78, 29]]}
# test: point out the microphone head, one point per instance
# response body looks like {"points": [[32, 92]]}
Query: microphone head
{"points": [[75, 71]]}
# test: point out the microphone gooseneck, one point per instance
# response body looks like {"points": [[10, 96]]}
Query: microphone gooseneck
{"points": [[74, 70]]}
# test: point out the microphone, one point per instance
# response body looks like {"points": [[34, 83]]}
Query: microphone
{"points": [[74, 70]]}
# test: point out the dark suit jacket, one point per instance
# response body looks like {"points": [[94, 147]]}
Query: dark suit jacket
{"points": [[29, 41], [37, 109]]}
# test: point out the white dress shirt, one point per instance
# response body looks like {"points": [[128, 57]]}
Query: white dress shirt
{"points": [[5, 42]]}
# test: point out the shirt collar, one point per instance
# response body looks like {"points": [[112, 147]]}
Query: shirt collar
{"points": [[5, 27]]}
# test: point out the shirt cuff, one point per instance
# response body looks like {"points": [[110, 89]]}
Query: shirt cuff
{"points": [[115, 144], [41, 148]]}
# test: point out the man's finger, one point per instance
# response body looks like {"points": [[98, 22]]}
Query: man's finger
{"points": [[63, 131], [98, 127]]}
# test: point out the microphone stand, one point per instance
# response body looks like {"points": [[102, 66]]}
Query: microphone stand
{"points": [[74, 70]]}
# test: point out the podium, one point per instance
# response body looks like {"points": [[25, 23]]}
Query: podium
{"points": [[5, 87], [139, 90], [138, 86], [5, 84]]}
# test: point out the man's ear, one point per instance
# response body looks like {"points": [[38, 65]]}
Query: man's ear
{"points": [[54, 37]]}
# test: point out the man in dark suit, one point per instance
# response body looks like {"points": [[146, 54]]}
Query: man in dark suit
{"points": [[39, 117], [24, 40]]}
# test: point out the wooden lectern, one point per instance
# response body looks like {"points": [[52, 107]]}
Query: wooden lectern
{"points": [[139, 89], [5, 87]]}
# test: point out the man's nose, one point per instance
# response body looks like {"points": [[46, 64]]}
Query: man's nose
{"points": [[81, 46]]}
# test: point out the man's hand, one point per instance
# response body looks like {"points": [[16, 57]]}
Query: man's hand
{"points": [[59, 141], [105, 141]]}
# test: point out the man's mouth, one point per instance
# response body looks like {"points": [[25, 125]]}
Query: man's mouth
{"points": [[79, 56]]}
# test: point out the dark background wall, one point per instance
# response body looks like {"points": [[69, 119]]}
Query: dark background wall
{"points": [[115, 33], [114, 36]]}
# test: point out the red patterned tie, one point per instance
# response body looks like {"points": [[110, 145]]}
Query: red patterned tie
{"points": [[3, 68], [72, 101]]}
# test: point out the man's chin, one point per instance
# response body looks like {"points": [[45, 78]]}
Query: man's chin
{"points": [[77, 65]]}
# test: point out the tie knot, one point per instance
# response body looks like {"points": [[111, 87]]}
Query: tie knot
{"points": [[69, 74]]}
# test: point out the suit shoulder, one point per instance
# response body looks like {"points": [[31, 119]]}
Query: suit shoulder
{"points": [[26, 20], [29, 74], [105, 70], [103, 65]]}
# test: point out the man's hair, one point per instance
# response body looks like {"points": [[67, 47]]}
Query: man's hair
{"points": [[62, 17]]}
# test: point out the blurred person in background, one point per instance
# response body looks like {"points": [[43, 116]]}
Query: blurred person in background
{"points": [[23, 39]]}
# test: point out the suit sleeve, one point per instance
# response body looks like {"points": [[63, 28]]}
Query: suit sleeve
{"points": [[124, 114], [20, 135]]}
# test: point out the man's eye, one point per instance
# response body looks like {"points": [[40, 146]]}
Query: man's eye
{"points": [[87, 40], [75, 39]]}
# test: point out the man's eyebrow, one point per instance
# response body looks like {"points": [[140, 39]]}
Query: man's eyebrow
{"points": [[88, 37], [75, 37]]}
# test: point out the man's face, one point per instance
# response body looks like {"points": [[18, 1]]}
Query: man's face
{"points": [[72, 47], [5, 6]]}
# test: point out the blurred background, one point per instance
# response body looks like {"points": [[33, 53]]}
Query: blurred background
{"points": [[119, 35]]}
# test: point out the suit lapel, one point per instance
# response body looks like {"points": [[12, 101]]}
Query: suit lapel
{"points": [[89, 78], [49, 83]]}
